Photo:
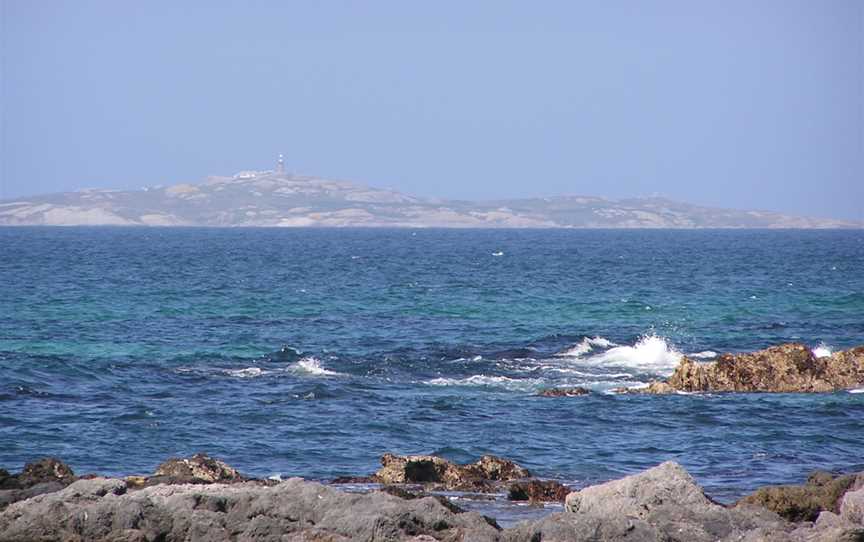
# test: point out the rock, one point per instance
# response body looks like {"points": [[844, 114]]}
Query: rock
{"points": [[428, 469], [655, 387], [852, 506], [200, 468], [564, 392], [785, 368], [665, 504], [665, 484], [353, 480], [47, 469], [822, 492], [537, 491], [103, 509]]}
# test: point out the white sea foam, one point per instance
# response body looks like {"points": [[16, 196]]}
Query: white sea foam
{"points": [[822, 351], [586, 345], [705, 354], [312, 366], [486, 380], [857, 390], [248, 372], [650, 352]]}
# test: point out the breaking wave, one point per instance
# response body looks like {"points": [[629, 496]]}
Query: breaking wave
{"points": [[650, 353], [587, 345], [312, 366]]}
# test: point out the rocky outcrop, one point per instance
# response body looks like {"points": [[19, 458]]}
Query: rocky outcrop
{"points": [[537, 491], [665, 504], [564, 392], [661, 504], [200, 468], [104, 509], [786, 368], [822, 492], [481, 475], [43, 476]]}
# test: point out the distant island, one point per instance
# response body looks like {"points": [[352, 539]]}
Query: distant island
{"points": [[279, 199]]}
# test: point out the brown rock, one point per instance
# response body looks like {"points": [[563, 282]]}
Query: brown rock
{"points": [[786, 368], [822, 492], [654, 387], [429, 469], [538, 491], [200, 468], [48, 469], [564, 392]]}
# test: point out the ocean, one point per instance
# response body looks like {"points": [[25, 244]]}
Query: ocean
{"points": [[312, 352]]}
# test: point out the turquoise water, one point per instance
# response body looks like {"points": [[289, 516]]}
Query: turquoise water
{"points": [[311, 352]]}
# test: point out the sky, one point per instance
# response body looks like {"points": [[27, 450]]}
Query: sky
{"points": [[733, 103]]}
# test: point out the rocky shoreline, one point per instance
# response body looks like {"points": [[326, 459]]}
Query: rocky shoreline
{"points": [[785, 368], [202, 498]]}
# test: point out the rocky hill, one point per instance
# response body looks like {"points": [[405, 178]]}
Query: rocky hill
{"points": [[266, 198]]}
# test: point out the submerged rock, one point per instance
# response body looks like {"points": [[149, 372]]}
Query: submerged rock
{"points": [[564, 392], [429, 469], [537, 491], [822, 492]]}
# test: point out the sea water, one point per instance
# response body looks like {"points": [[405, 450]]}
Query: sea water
{"points": [[312, 352]]}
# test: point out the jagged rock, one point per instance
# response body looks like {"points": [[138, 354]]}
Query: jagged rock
{"points": [[48, 469], [538, 491], [822, 492], [428, 469], [852, 505], [103, 509], [785, 368], [200, 468], [43, 476], [564, 392], [665, 504]]}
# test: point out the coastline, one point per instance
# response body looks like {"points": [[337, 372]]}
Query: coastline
{"points": [[200, 498]]}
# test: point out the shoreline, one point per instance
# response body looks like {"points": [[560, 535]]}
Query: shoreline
{"points": [[187, 498]]}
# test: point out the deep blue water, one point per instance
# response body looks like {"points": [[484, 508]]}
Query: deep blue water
{"points": [[312, 352]]}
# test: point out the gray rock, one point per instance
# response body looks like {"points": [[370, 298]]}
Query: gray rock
{"points": [[852, 507], [104, 509]]}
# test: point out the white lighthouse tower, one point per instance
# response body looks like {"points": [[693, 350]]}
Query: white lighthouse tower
{"points": [[280, 165]]}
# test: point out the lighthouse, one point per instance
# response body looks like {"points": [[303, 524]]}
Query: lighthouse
{"points": [[280, 165]]}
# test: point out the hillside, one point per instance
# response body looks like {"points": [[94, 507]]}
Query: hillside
{"points": [[267, 198]]}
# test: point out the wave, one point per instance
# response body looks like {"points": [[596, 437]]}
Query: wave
{"points": [[312, 366], [586, 345], [248, 372], [650, 353], [488, 381], [308, 366], [857, 390]]}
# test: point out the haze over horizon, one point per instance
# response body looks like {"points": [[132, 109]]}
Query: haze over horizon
{"points": [[733, 104]]}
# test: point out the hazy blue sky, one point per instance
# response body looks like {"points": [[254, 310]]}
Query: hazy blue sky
{"points": [[749, 104]]}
